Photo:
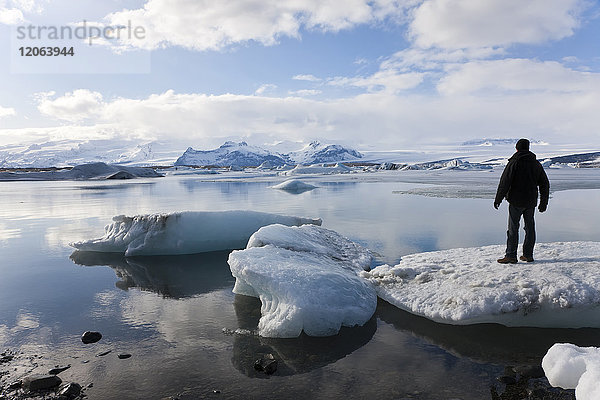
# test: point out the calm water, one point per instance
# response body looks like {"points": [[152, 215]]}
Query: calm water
{"points": [[169, 312]]}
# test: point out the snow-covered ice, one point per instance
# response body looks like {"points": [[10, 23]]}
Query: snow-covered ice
{"points": [[294, 186], [184, 232], [307, 279], [318, 169], [572, 367], [465, 286]]}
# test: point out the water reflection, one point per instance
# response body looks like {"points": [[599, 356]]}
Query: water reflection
{"points": [[170, 276], [487, 343], [294, 356]]}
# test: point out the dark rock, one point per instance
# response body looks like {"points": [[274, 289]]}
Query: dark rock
{"points": [[6, 358], [90, 337], [530, 371], [103, 353], [70, 390], [90, 385], [123, 356], [507, 379], [40, 382], [57, 370], [267, 364], [15, 385]]}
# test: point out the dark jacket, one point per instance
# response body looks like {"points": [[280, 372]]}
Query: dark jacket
{"points": [[520, 181]]}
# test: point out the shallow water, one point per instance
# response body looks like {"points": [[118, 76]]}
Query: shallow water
{"points": [[170, 312]]}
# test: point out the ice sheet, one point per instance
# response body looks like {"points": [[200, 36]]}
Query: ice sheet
{"points": [[466, 286]]}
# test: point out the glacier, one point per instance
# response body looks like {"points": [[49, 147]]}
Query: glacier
{"points": [[187, 232], [307, 279], [561, 289], [572, 367]]}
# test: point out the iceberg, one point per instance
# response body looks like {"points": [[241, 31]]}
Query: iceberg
{"points": [[307, 279], [294, 186], [572, 367], [561, 289], [184, 232]]}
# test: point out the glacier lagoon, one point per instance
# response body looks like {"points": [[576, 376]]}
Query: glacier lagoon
{"points": [[191, 337]]}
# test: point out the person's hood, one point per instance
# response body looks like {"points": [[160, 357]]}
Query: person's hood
{"points": [[523, 155]]}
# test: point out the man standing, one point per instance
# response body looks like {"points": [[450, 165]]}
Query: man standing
{"points": [[519, 184]]}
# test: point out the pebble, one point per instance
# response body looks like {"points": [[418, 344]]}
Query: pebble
{"points": [[268, 364], [103, 353], [90, 337], [123, 356], [70, 390], [57, 370]]}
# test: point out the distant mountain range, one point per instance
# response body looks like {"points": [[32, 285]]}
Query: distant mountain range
{"points": [[496, 142], [243, 155]]}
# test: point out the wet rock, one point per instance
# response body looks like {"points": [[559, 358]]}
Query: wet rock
{"points": [[123, 356], [90, 337], [6, 358], [70, 390], [507, 379], [40, 382], [57, 370], [103, 353], [267, 364], [530, 371]]}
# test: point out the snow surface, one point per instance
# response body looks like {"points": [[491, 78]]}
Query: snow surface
{"points": [[318, 169], [294, 186], [184, 232], [231, 153], [306, 278], [465, 286], [97, 170], [572, 367]]}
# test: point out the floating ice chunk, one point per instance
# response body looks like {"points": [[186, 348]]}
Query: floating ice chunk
{"points": [[465, 286], [184, 232], [572, 367], [294, 186], [306, 278]]}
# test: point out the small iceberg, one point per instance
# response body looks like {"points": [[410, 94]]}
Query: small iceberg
{"points": [[307, 279], [184, 232], [561, 289], [572, 367], [294, 186]]}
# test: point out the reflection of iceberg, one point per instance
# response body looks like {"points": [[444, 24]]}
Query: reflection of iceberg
{"points": [[170, 276], [486, 343], [294, 356], [306, 278], [466, 286], [184, 232]]}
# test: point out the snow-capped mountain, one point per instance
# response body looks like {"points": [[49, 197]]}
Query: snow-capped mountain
{"points": [[496, 142], [317, 153], [231, 154], [62, 153]]}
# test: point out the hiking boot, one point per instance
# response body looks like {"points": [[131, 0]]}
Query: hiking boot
{"points": [[528, 259], [507, 260]]}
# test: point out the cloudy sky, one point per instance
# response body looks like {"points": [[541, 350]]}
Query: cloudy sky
{"points": [[376, 74]]}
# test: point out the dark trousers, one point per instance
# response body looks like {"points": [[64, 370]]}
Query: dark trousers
{"points": [[512, 241]]}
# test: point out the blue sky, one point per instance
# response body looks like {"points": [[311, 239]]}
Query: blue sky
{"points": [[377, 74]]}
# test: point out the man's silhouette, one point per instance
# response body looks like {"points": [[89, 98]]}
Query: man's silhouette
{"points": [[522, 177]]}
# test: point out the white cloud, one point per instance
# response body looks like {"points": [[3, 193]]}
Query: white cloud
{"points": [[11, 16], [305, 92], [73, 106], [388, 80], [215, 24], [267, 87], [307, 77], [6, 112], [517, 75], [455, 24]]}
